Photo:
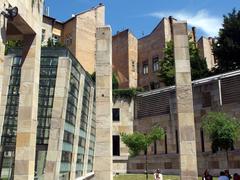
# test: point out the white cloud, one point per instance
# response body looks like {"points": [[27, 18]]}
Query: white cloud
{"points": [[202, 20]]}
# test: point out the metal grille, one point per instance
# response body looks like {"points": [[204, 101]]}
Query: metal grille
{"points": [[230, 89], [153, 105]]}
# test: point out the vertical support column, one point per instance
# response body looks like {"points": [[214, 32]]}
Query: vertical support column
{"points": [[5, 83], [85, 165], [77, 128], [54, 153], [28, 105], [3, 29], [186, 126], [103, 148]]}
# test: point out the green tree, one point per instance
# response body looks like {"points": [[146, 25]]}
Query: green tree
{"points": [[13, 44], [227, 46], [52, 43], [222, 129], [167, 70], [138, 142]]}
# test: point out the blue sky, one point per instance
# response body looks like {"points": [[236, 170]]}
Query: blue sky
{"points": [[141, 16]]}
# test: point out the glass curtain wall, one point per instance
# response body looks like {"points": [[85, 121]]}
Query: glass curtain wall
{"points": [[48, 73], [8, 140], [83, 128], [92, 139], [70, 121]]}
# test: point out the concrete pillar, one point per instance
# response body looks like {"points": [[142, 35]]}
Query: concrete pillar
{"points": [[7, 66], [54, 153], [3, 23], [88, 131], [27, 112], [77, 128], [103, 148], [186, 127]]}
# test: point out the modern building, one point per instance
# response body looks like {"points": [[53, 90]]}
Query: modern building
{"points": [[47, 99], [66, 125]]}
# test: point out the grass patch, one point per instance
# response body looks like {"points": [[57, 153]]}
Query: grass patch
{"points": [[142, 177]]}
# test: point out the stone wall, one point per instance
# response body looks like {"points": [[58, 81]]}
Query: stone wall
{"points": [[206, 97], [124, 125], [125, 59], [150, 47]]}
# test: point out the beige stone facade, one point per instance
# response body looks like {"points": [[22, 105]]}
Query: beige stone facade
{"points": [[184, 102], [125, 59], [123, 125], [209, 94], [77, 34], [103, 154]]}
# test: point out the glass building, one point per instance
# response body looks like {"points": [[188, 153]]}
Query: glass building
{"points": [[66, 125]]}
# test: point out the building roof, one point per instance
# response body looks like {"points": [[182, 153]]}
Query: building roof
{"points": [[194, 83], [64, 22]]}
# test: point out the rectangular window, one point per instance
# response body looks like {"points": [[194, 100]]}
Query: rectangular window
{"points": [[155, 64], [116, 114], [155, 147], [116, 145], [177, 145], [133, 66], [43, 34], [145, 67], [202, 140], [166, 149]]}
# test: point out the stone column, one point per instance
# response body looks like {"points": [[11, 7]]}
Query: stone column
{"points": [[54, 153], [103, 148], [5, 83], [27, 111], [85, 165], [187, 142], [77, 128], [3, 23]]}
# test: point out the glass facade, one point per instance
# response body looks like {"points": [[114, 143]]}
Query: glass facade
{"points": [[8, 139], [47, 82], [48, 74], [92, 139], [83, 128]]}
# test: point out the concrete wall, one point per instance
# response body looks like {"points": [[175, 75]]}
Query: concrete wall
{"points": [[125, 125], [206, 98]]}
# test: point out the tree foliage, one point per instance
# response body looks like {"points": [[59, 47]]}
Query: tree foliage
{"points": [[138, 142], [222, 129], [227, 46], [13, 44], [167, 70]]}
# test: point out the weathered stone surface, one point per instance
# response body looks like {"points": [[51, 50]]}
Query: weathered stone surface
{"points": [[103, 151], [186, 127]]}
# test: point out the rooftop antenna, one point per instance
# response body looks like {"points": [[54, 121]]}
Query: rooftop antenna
{"points": [[143, 33]]}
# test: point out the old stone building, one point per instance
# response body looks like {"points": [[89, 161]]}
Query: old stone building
{"points": [[77, 34], [158, 107], [131, 55]]}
